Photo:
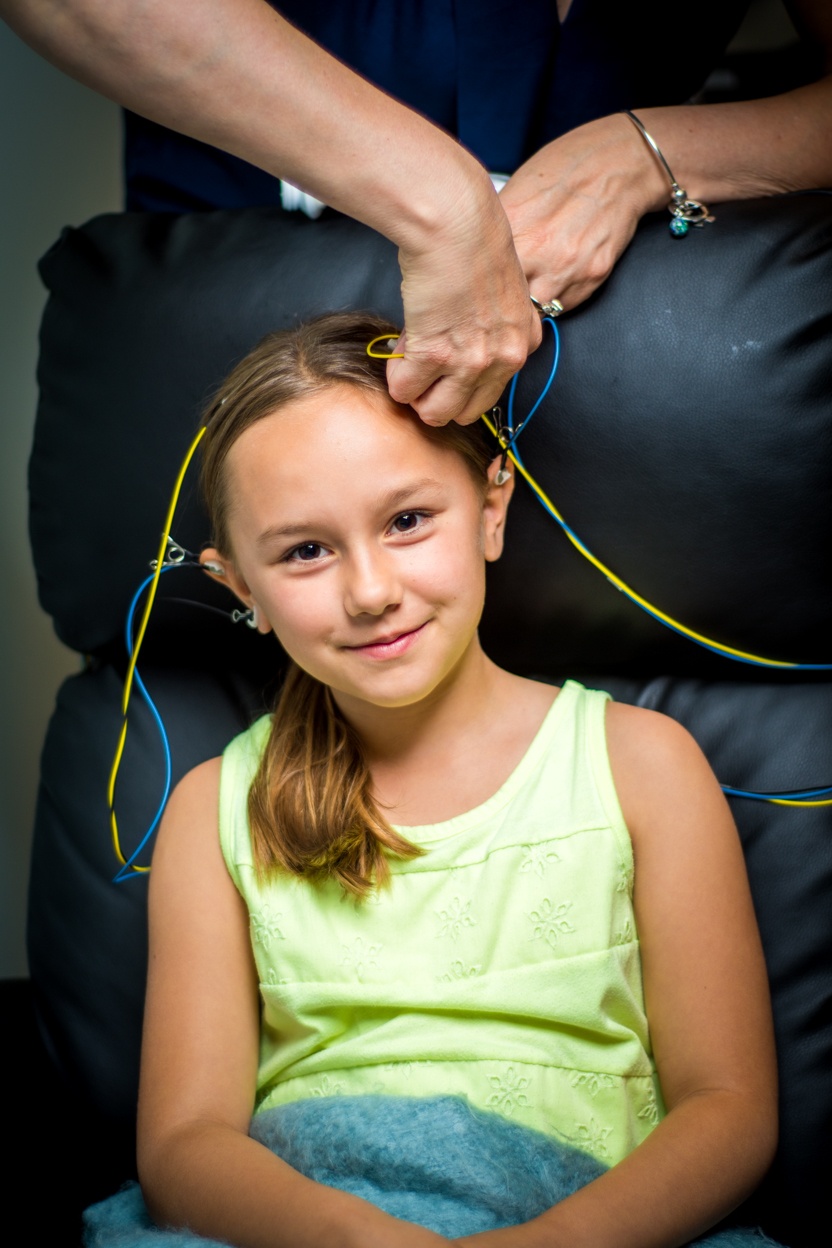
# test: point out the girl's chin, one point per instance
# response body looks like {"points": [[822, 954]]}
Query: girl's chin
{"points": [[396, 690], [383, 699]]}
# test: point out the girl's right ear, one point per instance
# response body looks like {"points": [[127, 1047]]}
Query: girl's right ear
{"points": [[222, 570], [213, 563]]}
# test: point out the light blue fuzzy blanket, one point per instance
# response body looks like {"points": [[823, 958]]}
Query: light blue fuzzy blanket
{"points": [[434, 1161]]}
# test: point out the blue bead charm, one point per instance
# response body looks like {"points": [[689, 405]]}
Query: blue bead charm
{"points": [[679, 227]]}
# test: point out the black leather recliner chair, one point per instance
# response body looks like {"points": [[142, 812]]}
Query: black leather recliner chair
{"points": [[686, 439]]}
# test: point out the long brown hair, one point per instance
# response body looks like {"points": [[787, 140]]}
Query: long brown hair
{"points": [[311, 807]]}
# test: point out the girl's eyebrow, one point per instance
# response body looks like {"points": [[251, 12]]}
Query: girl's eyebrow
{"points": [[386, 502]]}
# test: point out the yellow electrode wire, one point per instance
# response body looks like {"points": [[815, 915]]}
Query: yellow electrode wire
{"points": [[587, 554], [784, 801], [619, 584], [384, 355], [131, 667], [617, 581], [611, 576], [576, 542]]}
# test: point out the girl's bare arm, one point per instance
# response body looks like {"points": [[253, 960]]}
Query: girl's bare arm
{"points": [[707, 1000], [197, 1164], [235, 74]]}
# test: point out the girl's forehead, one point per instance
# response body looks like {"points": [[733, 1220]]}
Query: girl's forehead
{"points": [[340, 426], [339, 447]]}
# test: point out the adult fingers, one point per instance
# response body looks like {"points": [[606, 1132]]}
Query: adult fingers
{"points": [[469, 322], [460, 394], [574, 205]]}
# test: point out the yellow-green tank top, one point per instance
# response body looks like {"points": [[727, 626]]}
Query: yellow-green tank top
{"points": [[503, 965]]}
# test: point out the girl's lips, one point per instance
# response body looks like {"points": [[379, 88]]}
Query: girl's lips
{"points": [[390, 648]]}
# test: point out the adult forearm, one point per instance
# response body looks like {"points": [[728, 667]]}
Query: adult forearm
{"points": [[744, 150], [235, 74], [575, 204]]}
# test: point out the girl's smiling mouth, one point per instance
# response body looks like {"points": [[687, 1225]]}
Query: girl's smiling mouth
{"points": [[390, 646]]}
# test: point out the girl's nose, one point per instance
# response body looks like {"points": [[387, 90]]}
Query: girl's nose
{"points": [[371, 584]]}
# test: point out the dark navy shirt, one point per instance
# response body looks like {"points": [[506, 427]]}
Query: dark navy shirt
{"points": [[503, 75]]}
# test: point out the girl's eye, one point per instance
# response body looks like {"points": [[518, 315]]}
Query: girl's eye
{"points": [[307, 553], [408, 521]]}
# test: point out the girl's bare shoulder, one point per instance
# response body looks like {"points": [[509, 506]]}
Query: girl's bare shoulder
{"points": [[199, 789], [642, 740], [660, 772], [191, 819]]}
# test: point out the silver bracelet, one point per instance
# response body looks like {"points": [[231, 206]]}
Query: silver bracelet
{"points": [[685, 212]]}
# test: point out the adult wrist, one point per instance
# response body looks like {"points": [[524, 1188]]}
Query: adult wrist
{"points": [[454, 202], [685, 212]]}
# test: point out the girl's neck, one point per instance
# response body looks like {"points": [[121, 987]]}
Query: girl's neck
{"points": [[461, 702], [446, 754]]}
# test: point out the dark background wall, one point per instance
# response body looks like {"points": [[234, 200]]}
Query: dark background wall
{"points": [[59, 153]]}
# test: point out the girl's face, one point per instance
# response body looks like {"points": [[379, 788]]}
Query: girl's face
{"points": [[362, 543]]}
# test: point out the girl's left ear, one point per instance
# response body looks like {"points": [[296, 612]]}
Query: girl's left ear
{"points": [[222, 570], [495, 507]]}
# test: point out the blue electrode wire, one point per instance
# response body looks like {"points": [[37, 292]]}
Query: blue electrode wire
{"points": [[126, 872], [515, 433], [784, 798], [507, 436], [509, 445]]}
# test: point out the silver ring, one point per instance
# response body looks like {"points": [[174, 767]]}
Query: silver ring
{"points": [[553, 308]]}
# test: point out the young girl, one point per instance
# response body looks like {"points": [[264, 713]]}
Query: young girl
{"points": [[424, 875]]}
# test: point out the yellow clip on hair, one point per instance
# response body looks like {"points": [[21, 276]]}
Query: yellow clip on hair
{"points": [[383, 355]]}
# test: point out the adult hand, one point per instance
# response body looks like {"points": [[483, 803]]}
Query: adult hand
{"points": [[469, 322], [223, 70], [574, 206]]}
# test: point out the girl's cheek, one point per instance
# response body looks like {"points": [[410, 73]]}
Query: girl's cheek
{"points": [[302, 615]]}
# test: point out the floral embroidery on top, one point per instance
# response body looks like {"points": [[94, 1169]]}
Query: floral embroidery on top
{"points": [[592, 1138], [272, 980], [328, 1087], [509, 1092], [265, 926], [459, 970], [625, 879], [360, 957], [550, 921], [537, 859], [625, 934], [650, 1113], [452, 920], [400, 1068], [592, 1081]]}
